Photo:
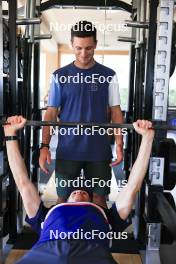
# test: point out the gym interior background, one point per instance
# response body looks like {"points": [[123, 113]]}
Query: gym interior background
{"points": [[35, 40]]}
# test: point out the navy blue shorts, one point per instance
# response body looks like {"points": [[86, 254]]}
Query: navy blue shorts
{"points": [[67, 252], [70, 170]]}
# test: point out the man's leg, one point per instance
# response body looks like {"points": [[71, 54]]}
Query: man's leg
{"points": [[99, 173], [66, 171]]}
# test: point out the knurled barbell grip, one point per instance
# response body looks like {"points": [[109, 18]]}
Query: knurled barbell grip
{"points": [[75, 124]]}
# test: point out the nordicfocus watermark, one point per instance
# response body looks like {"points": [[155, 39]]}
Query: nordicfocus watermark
{"points": [[89, 235], [85, 183], [81, 78], [102, 27], [80, 130]]}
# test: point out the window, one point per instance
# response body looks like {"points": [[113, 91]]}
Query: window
{"points": [[172, 90]]}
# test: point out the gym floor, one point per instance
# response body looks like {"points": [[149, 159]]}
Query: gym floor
{"points": [[120, 258]]}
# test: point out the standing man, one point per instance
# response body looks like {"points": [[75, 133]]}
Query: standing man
{"points": [[83, 91]]}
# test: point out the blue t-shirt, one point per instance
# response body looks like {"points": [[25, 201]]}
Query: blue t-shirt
{"points": [[82, 96], [68, 218]]}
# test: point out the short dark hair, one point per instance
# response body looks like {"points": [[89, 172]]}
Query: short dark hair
{"points": [[83, 29]]}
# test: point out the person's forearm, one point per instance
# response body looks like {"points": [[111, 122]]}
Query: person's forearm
{"points": [[46, 131], [118, 118], [16, 163], [141, 164]]}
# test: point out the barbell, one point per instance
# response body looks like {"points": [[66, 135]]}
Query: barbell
{"points": [[157, 125]]}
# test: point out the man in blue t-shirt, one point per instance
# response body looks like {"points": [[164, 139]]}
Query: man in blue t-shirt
{"points": [[72, 232], [83, 91]]}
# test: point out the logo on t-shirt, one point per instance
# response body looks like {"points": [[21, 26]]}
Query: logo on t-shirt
{"points": [[94, 87]]}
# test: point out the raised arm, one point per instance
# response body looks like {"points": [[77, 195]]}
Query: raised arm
{"points": [[28, 191], [127, 196]]}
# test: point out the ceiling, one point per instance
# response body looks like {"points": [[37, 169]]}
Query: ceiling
{"points": [[109, 24]]}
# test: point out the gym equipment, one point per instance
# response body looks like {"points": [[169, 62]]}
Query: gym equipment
{"points": [[167, 150], [3, 69], [136, 24], [115, 5], [28, 21], [156, 126], [165, 209], [126, 39], [166, 235], [5, 47], [159, 89], [173, 50]]}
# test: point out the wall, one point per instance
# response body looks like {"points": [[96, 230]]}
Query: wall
{"points": [[49, 60]]}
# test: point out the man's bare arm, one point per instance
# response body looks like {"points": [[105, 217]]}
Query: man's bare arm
{"points": [[45, 155], [117, 117], [28, 191], [50, 115], [126, 197]]}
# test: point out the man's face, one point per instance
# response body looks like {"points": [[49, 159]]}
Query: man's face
{"points": [[79, 196], [84, 49]]}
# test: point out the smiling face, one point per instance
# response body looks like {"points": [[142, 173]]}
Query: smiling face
{"points": [[79, 196], [84, 51]]}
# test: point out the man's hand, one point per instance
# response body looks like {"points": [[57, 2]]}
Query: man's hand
{"points": [[143, 128], [51, 114], [45, 156], [119, 152], [14, 123]]}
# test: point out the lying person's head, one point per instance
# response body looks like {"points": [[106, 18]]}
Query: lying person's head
{"points": [[79, 196]]}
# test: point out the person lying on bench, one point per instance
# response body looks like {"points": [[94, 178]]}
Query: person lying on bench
{"points": [[76, 231]]}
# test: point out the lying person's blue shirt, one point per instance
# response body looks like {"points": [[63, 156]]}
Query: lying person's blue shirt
{"points": [[62, 220]]}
